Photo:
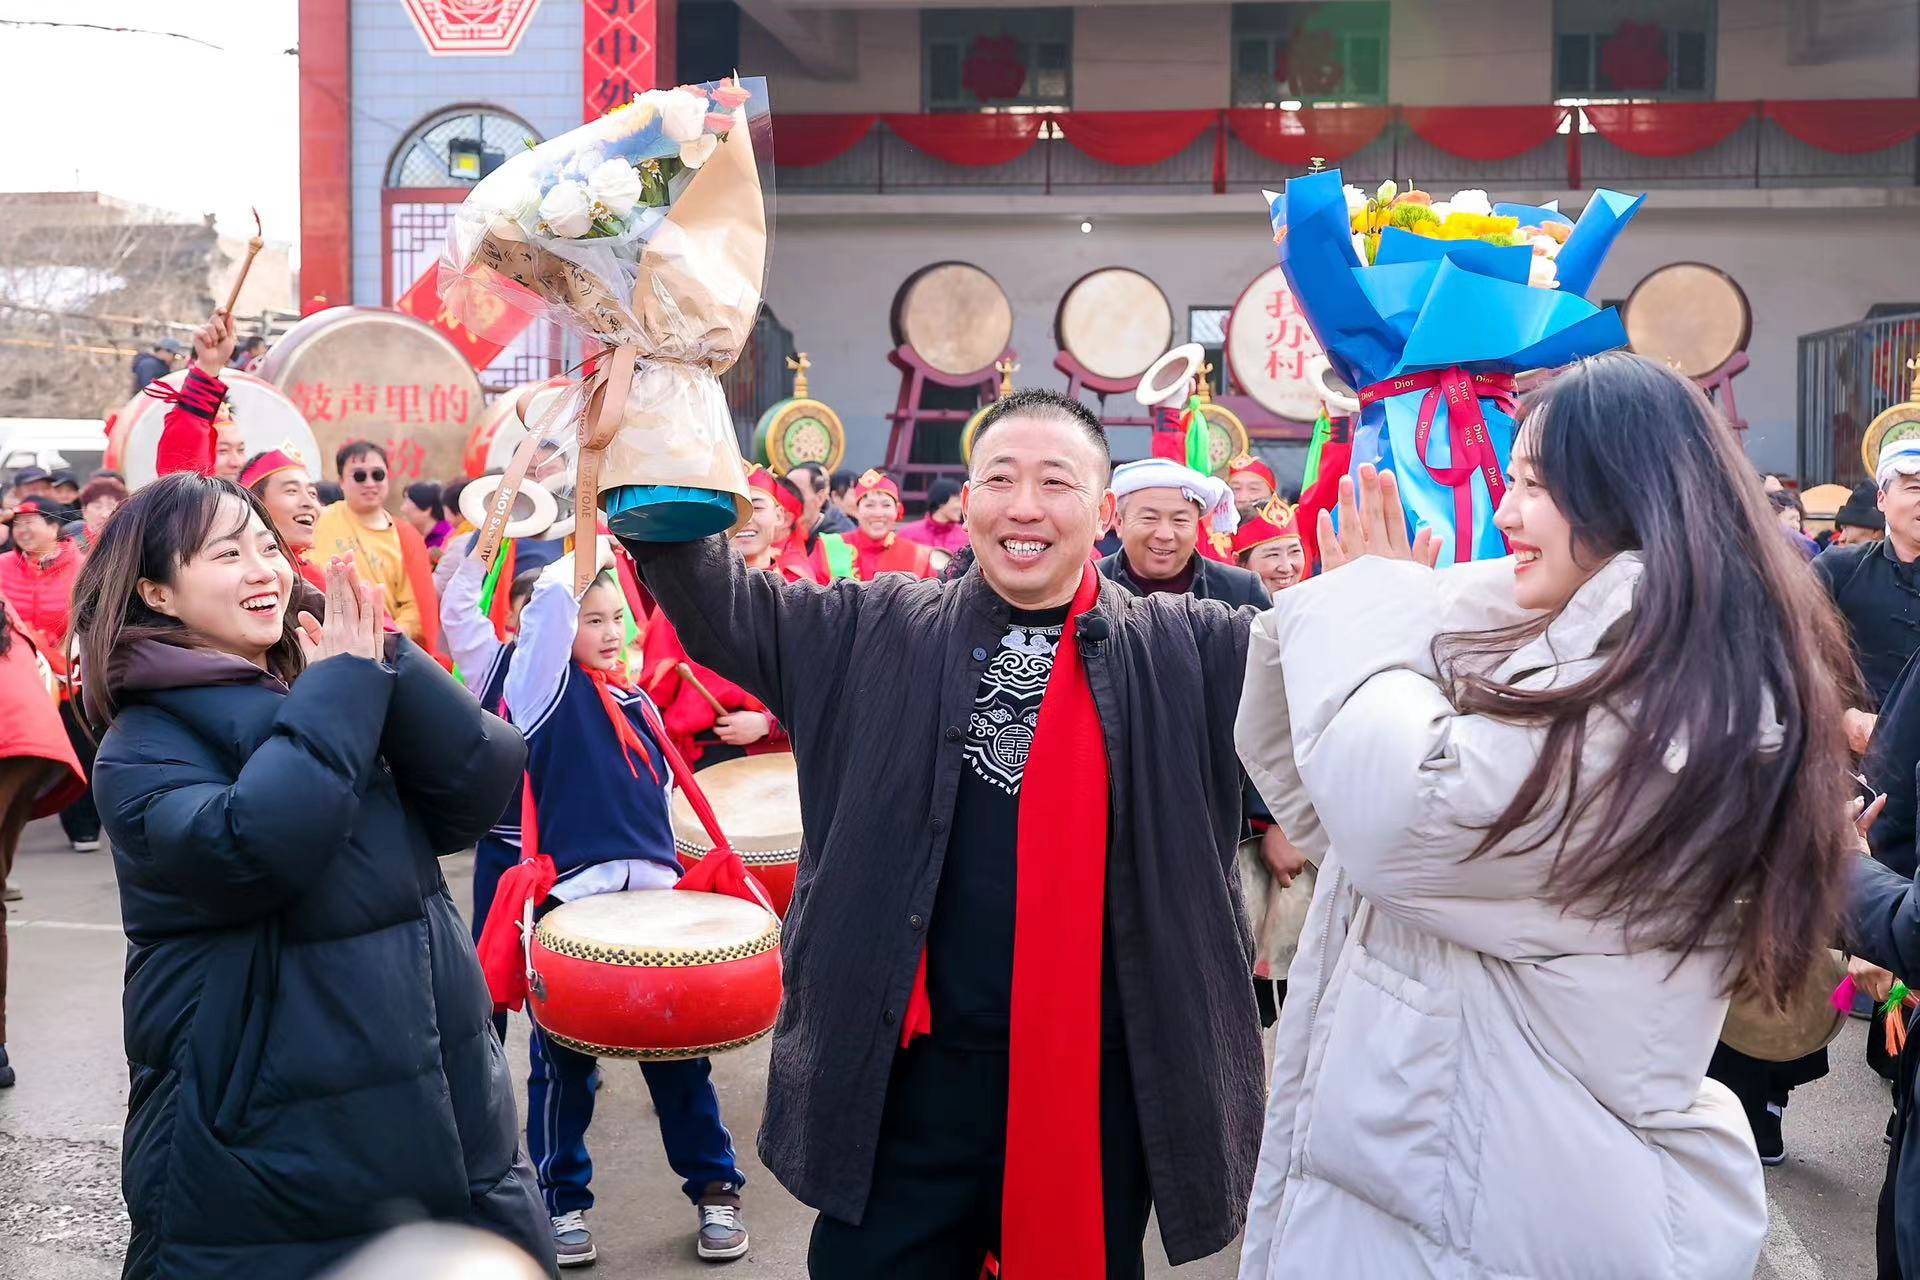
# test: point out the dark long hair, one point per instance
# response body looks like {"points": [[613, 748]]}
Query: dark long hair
{"points": [[160, 528], [1704, 834]]}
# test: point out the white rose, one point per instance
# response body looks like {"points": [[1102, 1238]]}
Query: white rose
{"points": [[567, 210], [1356, 199], [1543, 272], [1472, 200], [1442, 209], [615, 184], [697, 152], [683, 115]]}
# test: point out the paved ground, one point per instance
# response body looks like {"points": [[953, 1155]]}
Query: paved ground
{"points": [[60, 1212]]}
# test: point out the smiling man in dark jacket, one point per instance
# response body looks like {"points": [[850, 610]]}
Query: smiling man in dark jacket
{"points": [[953, 1077]]}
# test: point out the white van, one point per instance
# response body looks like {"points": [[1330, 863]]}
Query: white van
{"points": [[54, 444]]}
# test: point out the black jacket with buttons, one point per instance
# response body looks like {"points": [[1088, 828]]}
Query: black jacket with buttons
{"points": [[1212, 580], [1880, 599], [872, 681]]}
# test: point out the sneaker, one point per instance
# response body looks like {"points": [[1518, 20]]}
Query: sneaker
{"points": [[723, 1232], [1766, 1134], [572, 1242], [6, 1069], [11, 893], [86, 846]]}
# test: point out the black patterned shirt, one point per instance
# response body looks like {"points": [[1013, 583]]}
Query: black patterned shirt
{"points": [[970, 939]]}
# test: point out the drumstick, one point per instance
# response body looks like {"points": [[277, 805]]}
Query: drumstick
{"points": [[254, 245], [686, 673]]}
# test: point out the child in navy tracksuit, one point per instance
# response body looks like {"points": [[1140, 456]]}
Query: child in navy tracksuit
{"points": [[600, 785]]}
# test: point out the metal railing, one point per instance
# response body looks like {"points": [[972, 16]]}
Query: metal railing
{"points": [[1759, 154], [1847, 377]]}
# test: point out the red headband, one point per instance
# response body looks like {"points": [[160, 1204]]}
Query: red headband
{"points": [[764, 480], [876, 481], [1251, 465], [1274, 522], [268, 464]]}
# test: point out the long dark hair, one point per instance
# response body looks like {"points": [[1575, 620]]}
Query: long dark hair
{"points": [[160, 528], [1704, 834]]}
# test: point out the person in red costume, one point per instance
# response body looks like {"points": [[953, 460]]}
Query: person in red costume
{"points": [[875, 547], [285, 488], [1252, 482], [705, 736], [199, 434]]}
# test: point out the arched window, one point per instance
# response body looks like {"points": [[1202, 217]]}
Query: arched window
{"points": [[457, 147]]}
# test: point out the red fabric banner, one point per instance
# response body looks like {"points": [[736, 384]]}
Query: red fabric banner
{"points": [[1668, 128], [622, 42], [803, 141], [1486, 134], [491, 323], [1134, 137], [972, 140], [1296, 137], [1849, 126]]}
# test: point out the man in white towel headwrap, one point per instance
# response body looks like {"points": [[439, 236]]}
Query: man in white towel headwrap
{"points": [[1163, 514]]}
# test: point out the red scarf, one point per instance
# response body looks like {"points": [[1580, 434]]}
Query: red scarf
{"points": [[1053, 1225]]}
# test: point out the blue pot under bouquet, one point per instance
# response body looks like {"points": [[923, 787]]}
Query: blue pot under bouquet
{"points": [[1430, 325]]}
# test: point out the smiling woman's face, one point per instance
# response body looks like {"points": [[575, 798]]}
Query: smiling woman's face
{"points": [[233, 591], [1546, 571]]}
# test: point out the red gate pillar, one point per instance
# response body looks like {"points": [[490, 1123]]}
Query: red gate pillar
{"points": [[629, 48]]}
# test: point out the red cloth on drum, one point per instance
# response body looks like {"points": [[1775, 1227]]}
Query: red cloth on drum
{"points": [[1052, 1226], [503, 954], [188, 438]]}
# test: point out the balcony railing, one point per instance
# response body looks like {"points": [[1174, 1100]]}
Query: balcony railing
{"points": [[1759, 153]]}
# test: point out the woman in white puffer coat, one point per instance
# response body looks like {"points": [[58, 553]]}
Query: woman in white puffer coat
{"points": [[1539, 785]]}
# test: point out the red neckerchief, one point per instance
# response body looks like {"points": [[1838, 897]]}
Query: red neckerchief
{"points": [[623, 729], [1052, 1226]]}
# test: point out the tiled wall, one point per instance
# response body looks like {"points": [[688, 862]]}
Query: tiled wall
{"points": [[397, 84]]}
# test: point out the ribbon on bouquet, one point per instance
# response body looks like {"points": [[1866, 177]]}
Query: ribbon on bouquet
{"points": [[1469, 447], [602, 399]]}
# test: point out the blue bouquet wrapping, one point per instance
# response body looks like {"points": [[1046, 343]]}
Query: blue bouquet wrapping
{"points": [[1431, 334]]}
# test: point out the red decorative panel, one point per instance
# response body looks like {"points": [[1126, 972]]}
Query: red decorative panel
{"points": [[454, 27], [629, 48]]}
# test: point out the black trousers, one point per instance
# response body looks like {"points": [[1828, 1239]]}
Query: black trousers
{"points": [[934, 1211], [80, 820]]}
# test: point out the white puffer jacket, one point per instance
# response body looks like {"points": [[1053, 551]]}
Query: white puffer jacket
{"points": [[1468, 1081]]}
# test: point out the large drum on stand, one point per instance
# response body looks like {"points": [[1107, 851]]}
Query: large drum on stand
{"points": [[1111, 326], [364, 373], [1272, 351], [1695, 319], [757, 800], [655, 975]]}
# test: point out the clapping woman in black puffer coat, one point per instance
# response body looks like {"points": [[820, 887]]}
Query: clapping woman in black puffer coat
{"points": [[306, 1024]]}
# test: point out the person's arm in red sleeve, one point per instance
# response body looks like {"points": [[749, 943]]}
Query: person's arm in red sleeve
{"points": [[188, 438]]}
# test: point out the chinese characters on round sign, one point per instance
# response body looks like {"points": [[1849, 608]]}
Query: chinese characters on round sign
{"points": [[1270, 347]]}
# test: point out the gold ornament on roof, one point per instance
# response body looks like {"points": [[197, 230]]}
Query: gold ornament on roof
{"points": [[799, 364]]}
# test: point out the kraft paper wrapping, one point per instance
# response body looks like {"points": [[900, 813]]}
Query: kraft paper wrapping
{"points": [[695, 295]]}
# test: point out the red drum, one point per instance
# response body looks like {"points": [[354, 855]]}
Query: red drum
{"points": [[757, 800], [655, 974]]}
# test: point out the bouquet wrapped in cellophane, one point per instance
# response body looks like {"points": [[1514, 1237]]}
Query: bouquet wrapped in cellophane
{"points": [[1429, 310], [645, 232]]}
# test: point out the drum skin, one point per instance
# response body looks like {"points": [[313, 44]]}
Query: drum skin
{"points": [[1115, 322], [716, 988], [757, 800], [955, 316], [1689, 316]]}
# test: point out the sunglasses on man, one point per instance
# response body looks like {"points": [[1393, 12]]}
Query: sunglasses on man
{"points": [[376, 476]]}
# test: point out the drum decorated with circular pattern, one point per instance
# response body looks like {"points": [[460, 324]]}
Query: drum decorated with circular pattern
{"points": [[955, 316], [798, 430], [757, 800], [655, 974]]}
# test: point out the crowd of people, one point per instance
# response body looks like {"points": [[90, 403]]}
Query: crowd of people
{"points": [[1488, 849]]}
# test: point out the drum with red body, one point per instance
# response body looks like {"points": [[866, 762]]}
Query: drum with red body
{"points": [[757, 800], [655, 974]]}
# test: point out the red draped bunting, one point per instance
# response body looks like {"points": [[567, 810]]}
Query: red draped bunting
{"points": [[1668, 128], [1296, 137], [1133, 137], [973, 140], [1849, 126], [803, 141], [1486, 134]]}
